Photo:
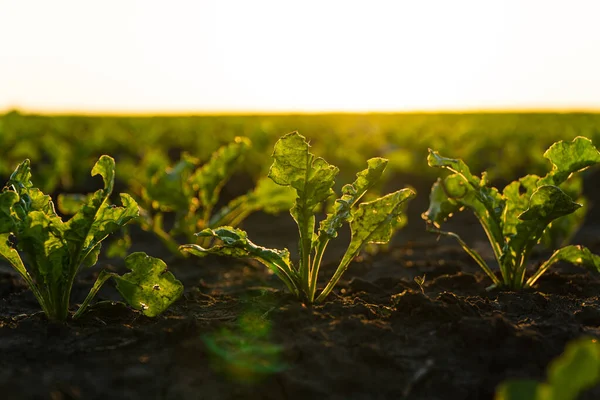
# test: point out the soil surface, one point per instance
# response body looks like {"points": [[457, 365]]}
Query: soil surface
{"points": [[236, 334]]}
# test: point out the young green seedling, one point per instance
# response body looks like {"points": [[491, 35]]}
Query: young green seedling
{"points": [[569, 375], [516, 219], [189, 193], [48, 252], [312, 179]]}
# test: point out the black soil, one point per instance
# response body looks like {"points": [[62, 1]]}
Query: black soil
{"points": [[236, 334]]}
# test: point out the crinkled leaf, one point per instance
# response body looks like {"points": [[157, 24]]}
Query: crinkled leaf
{"points": [[312, 178], [518, 195], [8, 252], [97, 219], [293, 165], [561, 230], [7, 219], [110, 218], [374, 221], [466, 190], [54, 249], [441, 206], [149, 287], [548, 203], [105, 167], [42, 238], [30, 198], [351, 194], [209, 179], [570, 157], [236, 244], [21, 177], [434, 159]]}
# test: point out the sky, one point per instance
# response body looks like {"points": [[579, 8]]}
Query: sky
{"points": [[203, 56]]}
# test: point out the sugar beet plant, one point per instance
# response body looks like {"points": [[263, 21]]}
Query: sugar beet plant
{"points": [[515, 219], [312, 179], [48, 252], [188, 192]]}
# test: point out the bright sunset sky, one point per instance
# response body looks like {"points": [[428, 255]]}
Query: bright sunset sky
{"points": [[276, 55]]}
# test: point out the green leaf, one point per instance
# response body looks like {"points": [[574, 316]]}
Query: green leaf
{"points": [[462, 189], [523, 390], [577, 254], [8, 252], [55, 249], [266, 196], [119, 247], [30, 198], [168, 188], [517, 195], [7, 218], [295, 166], [270, 197], [548, 203], [373, 222], [97, 219], [69, 204], [41, 236], [312, 178], [570, 157], [576, 370], [351, 194], [149, 287], [92, 258], [441, 205], [434, 159], [561, 230], [236, 244], [105, 167], [21, 177], [109, 219], [209, 179]]}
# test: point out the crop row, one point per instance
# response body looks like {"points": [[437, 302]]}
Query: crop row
{"points": [[48, 252], [62, 148], [526, 212]]}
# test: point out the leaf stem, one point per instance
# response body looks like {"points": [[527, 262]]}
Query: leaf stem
{"points": [[102, 278]]}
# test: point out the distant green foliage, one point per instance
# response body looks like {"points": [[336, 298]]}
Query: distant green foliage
{"points": [[504, 144], [312, 179], [569, 375], [189, 192], [516, 219], [56, 250]]}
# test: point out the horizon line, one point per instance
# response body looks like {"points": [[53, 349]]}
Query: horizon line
{"points": [[257, 112]]}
